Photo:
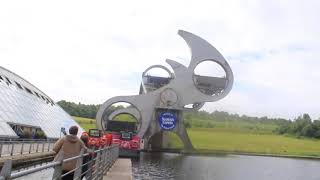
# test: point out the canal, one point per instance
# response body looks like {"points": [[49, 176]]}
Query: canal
{"points": [[229, 167], [159, 166]]}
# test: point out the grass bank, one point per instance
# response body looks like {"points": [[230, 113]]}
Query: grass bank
{"points": [[238, 138], [206, 139], [86, 123]]}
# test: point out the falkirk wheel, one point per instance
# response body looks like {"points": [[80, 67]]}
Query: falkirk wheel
{"points": [[161, 102]]}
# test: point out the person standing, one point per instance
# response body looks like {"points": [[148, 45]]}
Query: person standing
{"points": [[70, 146]]}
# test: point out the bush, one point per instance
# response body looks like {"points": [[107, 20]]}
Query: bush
{"points": [[308, 130], [187, 124], [40, 135], [317, 134], [301, 127]]}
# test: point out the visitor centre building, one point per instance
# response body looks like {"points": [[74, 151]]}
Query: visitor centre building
{"points": [[27, 112]]}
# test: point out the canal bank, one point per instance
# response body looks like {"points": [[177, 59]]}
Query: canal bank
{"points": [[204, 152], [252, 154]]}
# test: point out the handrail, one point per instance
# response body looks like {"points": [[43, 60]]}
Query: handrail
{"points": [[103, 160], [30, 171], [19, 147], [28, 140]]}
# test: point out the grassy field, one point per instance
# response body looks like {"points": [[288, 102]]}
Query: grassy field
{"points": [[86, 123], [224, 140], [250, 127], [239, 138]]}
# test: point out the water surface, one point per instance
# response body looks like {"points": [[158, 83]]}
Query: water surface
{"points": [[229, 167]]}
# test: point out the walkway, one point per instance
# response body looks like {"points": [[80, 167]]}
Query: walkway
{"points": [[121, 170]]}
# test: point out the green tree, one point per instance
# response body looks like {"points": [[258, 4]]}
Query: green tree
{"points": [[187, 124], [308, 131]]}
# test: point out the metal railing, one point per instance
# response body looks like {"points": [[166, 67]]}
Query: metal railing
{"points": [[16, 147], [98, 163]]}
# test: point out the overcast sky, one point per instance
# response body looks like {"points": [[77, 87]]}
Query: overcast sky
{"points": [[89, 51]]}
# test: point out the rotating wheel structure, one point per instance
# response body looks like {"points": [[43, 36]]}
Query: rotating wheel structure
{"points": [[113, 111]]}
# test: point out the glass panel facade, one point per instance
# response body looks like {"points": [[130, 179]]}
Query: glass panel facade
{"points": [[17, 106], [6, 130]]}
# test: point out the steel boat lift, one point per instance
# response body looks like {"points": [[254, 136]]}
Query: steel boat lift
{"points": [[161, 101]]}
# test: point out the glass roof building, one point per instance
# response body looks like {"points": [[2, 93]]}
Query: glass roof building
{"points": [[25, 106]]}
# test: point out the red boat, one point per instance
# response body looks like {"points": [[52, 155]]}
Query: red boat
{"points": [[124, 134], [94, 140], [118, 132]]}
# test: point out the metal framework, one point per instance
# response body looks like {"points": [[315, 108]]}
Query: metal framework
{"points": [[161, 101], [26, 146], [99, 165]]}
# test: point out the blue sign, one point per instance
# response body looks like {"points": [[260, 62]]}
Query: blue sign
{"points": [[167, 120]]}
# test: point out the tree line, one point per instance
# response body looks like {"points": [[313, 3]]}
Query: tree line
{"points": [[90, 111], [83, 110], [225, 116], [302, 126], [80, 110]]}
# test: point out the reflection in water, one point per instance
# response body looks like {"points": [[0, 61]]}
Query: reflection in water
{"points": [[232, 167], [158, 166]]}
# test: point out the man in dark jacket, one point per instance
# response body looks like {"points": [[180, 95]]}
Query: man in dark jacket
{"points": [[69, 146], [87, 160]]}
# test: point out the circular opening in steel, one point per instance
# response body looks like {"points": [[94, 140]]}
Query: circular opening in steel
{"points": [[121, 116], [156, 77], [158, 72], [210, 77]]}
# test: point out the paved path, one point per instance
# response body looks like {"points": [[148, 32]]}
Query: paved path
{"points": [[121, 170]]}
